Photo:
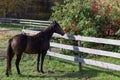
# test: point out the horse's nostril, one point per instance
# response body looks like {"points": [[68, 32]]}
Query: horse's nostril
{"points": [[63, 34]]}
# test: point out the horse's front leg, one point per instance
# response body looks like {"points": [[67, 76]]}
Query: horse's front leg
{"points": [[42, 60], [38, 60], [19, 55]]}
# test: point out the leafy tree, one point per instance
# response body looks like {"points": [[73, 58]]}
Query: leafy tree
{"points": [[13, 8], [35, 9]]}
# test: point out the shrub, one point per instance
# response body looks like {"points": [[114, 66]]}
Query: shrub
{"points": [[89, 18], [97, 18]]}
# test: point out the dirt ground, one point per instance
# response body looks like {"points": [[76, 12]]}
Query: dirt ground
{"points": [[5, 35]]}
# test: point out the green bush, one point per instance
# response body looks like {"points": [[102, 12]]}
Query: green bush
{"points": [[96, 18]]}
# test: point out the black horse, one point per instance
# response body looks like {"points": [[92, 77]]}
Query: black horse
{"points": [[37, 44]]}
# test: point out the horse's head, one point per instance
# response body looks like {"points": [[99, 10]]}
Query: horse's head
{"points": [[58, 29]]}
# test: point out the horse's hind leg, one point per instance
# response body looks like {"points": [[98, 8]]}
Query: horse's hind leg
{"points": [[18, 61], [38, 60], [9, 60]]}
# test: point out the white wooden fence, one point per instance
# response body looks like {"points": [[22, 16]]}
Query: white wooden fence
{"points": [[37, 23], [85, 50], [33, 24]]}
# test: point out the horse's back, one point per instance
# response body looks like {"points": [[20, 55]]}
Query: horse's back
{"points": [[29, 44], [18, 43]]}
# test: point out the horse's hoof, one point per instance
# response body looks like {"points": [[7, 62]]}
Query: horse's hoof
{"points": [[19, 73], [7, 74], [38, 70], [42, 72]]}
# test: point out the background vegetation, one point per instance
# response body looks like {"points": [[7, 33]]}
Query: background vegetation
{"points": [[96, 18], [31, 9]]}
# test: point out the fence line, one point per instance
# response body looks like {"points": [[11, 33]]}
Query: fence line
{"points": [[90, 39], [85, 50], [86, 61], [25, 22]]}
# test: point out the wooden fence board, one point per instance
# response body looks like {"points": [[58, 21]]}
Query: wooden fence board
{"points": [[33, 23], [86, 50], [86, 61], [90, 39], [35, 20]]}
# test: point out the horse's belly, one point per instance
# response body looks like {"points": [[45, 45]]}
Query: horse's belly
{"points": [[31, 51], [35, 48]]}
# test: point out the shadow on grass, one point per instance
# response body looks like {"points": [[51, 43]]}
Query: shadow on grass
{"points": [[85, 73], [62, 61], [27, 75], [90, 73]]}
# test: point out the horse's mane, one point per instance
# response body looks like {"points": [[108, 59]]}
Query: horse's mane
{"points": [[43, 32]]}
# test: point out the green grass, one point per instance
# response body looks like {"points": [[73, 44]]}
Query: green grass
{"points": [[11, 27], [55, 69]]}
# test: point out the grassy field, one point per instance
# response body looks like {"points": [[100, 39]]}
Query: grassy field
{"points": [[55, 69]]}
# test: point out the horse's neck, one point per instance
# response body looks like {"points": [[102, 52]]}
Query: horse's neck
{"points": [[47, 33]]}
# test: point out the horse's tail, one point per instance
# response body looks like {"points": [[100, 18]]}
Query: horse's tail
{"points": [[9, 56], [9, 48]]}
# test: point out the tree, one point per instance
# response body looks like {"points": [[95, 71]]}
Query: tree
{"points": [[13, 8], [34, 9]]}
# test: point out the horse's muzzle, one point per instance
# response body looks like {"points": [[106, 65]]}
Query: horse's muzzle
{"points": [[62, 33]]}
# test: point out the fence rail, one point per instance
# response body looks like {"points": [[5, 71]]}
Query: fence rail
{"points": [[86, 61], [34, 24]]}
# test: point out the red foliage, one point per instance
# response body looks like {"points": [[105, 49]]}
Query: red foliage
{"points": [[112, 29], [108, 9], [94, 8], [74, 27], [117, 22], [95, 5], [111, 32], [66, 28]]}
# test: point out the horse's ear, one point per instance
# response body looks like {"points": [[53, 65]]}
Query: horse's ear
{"points": [[54, 22]]}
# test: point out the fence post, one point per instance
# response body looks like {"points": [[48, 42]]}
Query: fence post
{"points": [[80, 55]]}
